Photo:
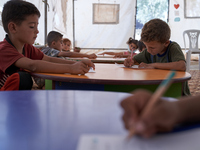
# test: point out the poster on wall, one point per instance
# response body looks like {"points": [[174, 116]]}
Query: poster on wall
{"points": [[192, 9], [105, 13]]}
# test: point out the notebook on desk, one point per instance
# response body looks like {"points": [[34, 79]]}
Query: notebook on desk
{"points": [[185, 140]]}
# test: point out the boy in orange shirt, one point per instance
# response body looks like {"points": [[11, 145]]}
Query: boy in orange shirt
{"points": [[20, 22]]}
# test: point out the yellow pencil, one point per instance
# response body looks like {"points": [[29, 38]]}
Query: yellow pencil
{"points": [[155, 97]]}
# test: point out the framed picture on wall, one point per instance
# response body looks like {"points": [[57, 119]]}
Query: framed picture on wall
{"points": [[105, 13], [192, 8]]}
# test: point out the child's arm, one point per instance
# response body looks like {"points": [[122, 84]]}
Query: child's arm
{"points": [[179, 65], [80, 67], [163, 117], [111, 53], [75, 54], [57, 60]]}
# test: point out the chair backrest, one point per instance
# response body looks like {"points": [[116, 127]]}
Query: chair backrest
{"points": [[193, 36]]}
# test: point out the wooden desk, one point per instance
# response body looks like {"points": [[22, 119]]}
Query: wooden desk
{"points": [[55, 120], [110, 77], [110, 60]]}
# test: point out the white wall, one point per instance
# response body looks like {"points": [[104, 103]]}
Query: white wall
{"points": [[56, 13], [89, 35], [177, 28]]}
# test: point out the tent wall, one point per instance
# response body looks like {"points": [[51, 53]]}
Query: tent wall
{"points": [[177, 27], [60, 18], [89, 35]]}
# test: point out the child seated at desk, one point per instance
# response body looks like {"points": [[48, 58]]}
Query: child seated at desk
{"points": [[67, 46], [160, 52], [132, 47], [164, 116], [55, 43], [17, 54]]}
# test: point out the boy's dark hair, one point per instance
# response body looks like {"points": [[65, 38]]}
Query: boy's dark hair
{"points": [[53, 36], [131, 40], [141, 45], [155, 30], [17, 11]]}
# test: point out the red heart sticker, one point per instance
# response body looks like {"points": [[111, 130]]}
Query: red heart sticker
{"points": [[176, 6]]}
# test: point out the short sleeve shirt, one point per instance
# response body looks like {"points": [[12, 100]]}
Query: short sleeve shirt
{"points": [[9, 55], [173, 54], [50, 51]]}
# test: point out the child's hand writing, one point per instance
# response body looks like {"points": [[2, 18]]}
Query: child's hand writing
{"points": [[162, 117], [88, 63], [79, 68], [128, 62]]}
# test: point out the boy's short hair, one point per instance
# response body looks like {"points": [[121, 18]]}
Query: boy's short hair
{"points": [[17, 11], [131, 40], [155, 30], [65, 40], [53, 36]]}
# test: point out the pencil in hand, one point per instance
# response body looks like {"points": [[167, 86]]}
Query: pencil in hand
{"points": [[154, 98]]}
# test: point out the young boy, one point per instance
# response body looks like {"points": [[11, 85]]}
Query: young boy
{"points": [[164, 116], [20, 22], [55, 43], [160, 52]]}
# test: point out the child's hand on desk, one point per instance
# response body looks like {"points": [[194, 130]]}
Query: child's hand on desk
{"points": [[162, 118], [92, 56], [128, 62], [88, 63], [118, 55], [79, 68], [144, 65], [102, 53]]}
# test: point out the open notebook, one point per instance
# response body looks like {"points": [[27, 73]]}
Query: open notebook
{"points": [[185, 140]]}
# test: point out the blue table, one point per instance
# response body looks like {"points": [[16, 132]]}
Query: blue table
{"points": [[54, 120]]}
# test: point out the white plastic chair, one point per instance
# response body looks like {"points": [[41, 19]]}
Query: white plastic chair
{"points": [[193, 36]]}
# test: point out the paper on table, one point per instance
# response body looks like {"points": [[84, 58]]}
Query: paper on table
{"points": [[122, 65], [184, 140]]}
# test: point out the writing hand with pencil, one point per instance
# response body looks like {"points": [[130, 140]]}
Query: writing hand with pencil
{"points": [[146, 114], [128, 62]]}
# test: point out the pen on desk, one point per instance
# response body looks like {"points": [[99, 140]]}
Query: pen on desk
{"points": [[155, 97]]}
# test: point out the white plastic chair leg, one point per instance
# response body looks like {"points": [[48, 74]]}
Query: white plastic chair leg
{"points": [[199, 61], [188, 59]]}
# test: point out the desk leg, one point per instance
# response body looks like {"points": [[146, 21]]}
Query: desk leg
{"points": [[48, 84], [175, 89]]}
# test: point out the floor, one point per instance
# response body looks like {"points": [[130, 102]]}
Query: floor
{"points": [[194, 65]]}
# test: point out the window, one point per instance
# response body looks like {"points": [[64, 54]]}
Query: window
{"points": [[147, 10]]}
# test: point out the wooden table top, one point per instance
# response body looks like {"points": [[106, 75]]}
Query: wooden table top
{"points": [[113, 74]]}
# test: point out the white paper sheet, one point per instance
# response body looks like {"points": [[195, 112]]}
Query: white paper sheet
{"points": [[122, 65], [185, 140]]}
